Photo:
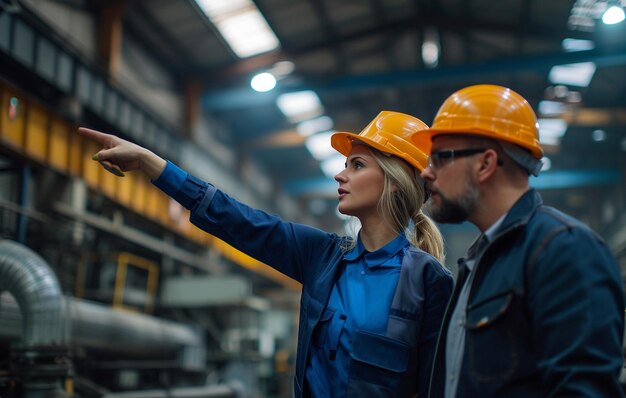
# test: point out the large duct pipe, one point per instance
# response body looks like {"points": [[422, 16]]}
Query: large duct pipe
{"points": [[43, 340], [36, 289], [216, 391], [118, 334]]}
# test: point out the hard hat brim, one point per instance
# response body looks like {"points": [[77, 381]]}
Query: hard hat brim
{"points": [[342, 143], [430, 133]]}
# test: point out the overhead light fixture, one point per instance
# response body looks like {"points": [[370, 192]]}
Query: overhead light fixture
{"points": [[282, 69], [316, 125], [551, 131], [263, 82], [578, 74], [319, 145], [572, 45], [551, 108], [583, 15], [598, 135], [431, 48], [300, 105], [613, 15], [242, 26]]}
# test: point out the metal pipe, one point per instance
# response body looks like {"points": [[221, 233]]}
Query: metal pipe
{"points": [[121, 334], [40, 353], [29, 279], [216, 391]]}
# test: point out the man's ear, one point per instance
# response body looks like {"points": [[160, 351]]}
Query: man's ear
{"points": [[488, 164]]}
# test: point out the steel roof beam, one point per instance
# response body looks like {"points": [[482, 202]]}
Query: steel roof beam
{"points": [[244, 98]]}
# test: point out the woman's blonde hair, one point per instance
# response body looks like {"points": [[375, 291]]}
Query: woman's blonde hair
{"points": [[401, 201]]}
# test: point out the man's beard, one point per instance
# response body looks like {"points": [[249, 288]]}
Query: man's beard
{"points": [[454, 211]]}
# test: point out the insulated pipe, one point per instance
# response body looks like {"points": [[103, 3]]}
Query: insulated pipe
{"points": [[115, 333], [25, 275], [216, 391], [36, 313]]}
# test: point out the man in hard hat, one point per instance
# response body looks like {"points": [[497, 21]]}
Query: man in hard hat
{"points": [[538, 309]]}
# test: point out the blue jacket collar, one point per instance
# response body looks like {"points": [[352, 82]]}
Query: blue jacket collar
{"points": [[378, 257]]}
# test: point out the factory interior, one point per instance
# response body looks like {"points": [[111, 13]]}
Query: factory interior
{"points": [[108, 290]]}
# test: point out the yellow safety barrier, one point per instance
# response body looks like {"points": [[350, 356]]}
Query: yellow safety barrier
{"points": [[90, 170], [107, 182], [125, 189], [75, 159], [37, 123], [58, 148], [124, 261]]}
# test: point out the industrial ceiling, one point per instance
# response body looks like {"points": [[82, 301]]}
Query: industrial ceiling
{"points": [[363, 56]]}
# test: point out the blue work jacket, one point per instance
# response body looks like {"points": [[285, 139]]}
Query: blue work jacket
{"points": [[545, 314], [397, 366]]}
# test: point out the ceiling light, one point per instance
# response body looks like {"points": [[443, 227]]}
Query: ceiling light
{"points": [[283, 68], [430, 48], [551, 131], [571, 45], [613, 15], [319, 145], [242, 26], [263, 82], [578, 74], [300, 105], [312, 126], [598, 135], [551, 108]]}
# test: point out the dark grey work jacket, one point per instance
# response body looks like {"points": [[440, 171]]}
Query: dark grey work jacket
{"points": [[545, 314]]}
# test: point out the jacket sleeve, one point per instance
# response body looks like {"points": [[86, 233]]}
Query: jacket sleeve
{"points": [[287, 247], [576, 305], [438, 284]]}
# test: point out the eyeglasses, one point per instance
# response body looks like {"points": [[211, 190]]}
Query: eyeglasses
{"points": [[438, 159]]}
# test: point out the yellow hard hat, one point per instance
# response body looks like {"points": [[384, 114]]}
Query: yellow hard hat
{"points": [[389, 132], [487, 110]]}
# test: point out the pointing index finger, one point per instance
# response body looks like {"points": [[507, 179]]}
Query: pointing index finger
{"points": [[94, 134]]}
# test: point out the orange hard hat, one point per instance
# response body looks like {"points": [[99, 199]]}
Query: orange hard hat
{"points": [[389, 132], [487, 110]]}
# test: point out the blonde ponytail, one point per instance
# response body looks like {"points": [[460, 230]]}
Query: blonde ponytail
{"points": [[426, 236]]}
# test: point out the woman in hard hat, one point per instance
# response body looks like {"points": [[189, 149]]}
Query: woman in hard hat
{"points": [[371, 306]]}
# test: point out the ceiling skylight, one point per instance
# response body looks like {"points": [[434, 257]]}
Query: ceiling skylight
{"points": [[579, 74], [242, 26], [316, 125], [572, 45], [300, 105]]}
